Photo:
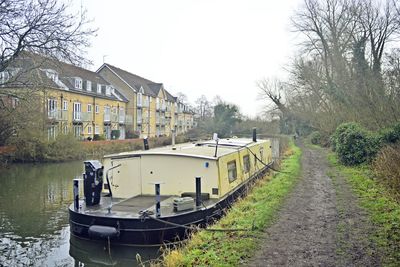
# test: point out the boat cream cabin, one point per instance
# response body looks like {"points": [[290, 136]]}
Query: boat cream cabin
{"points": [[222, 168]]}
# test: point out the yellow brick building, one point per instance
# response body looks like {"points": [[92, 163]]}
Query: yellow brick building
{"points": [[110, 103], [156, 112], [75, 100]]}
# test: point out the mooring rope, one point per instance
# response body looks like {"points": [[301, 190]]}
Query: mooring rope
{"points": [[193, 228]]}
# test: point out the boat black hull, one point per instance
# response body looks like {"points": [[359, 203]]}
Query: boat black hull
{"points": [[151, 231]]}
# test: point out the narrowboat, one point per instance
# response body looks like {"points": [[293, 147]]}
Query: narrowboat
{"points": [[152, 197]]}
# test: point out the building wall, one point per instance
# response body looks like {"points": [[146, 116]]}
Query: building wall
{"points": [[121, 86], [62, 119]]}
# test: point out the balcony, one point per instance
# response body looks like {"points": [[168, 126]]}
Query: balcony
{"points": [[128, 119], [114, 117], [58, 115], [82, 116], [121, 118], [107, 117]]}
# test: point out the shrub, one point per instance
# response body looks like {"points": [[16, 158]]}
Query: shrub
{"points": [[30, 149], [315, 138], [98, 137], [387, 168], [391, 134], [354, 145], [132, 135], [115, 134], [64, 147]]}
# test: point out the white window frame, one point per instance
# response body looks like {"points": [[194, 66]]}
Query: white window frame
{"points": [[88, 86], [89, 129], [65, 104], [4, 77], [51, 107], [108, 90], [77, 111], [96, 129], [89, 108], [99, 88], [65, 129], [78, 83]]}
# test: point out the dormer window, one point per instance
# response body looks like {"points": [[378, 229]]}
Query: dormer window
{"points": [[4, 76], [108, 90], [78, 83], [88, 86], [99, 88]]}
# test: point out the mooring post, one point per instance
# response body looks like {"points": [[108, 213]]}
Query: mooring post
{"points": [[76, 194], [198, 191], [146, 143], [158, 200]]}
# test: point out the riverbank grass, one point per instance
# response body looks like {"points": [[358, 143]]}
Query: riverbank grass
{"points": [[384, 211], [254, 212]]}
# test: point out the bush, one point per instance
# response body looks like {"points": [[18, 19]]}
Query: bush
{"points": [[115, 134], [64, 147], [354, 145], [98, 137], [391, 135], [315, 138], [132, 135], [387, 168]]}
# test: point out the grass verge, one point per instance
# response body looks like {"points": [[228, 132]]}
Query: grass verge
{"points": [[256, 211], [383, 211]]}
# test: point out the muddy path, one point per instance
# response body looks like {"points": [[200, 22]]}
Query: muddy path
{"points": [[320, 223]]}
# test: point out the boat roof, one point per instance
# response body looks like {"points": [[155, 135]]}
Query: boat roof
{"points": [[202, 149]]}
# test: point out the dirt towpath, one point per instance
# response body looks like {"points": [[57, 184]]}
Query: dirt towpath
{"points": [[320, 223]]}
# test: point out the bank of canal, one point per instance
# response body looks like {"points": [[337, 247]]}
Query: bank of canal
{"points": [[34, 228]]}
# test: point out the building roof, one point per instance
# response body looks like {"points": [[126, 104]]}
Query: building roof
{"points": [[35, 70], [135, 81], [204, 150]]}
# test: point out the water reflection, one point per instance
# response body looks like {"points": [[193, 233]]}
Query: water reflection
{"points": [[100, 254], [34, 228], [33, 210]]}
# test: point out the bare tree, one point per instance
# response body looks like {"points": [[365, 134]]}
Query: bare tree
{"points": [[45, 27], [203, 107]]}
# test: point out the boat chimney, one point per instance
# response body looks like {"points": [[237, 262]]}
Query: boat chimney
{"points": [[215, 138], [254, 134], [173, 140], [198, 191], [146, 143]]}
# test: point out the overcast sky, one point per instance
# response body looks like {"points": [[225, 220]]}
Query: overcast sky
{"points": [[210, 47]]}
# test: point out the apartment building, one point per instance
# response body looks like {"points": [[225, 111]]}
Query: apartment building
{"points": [[156, 112], [75, 100], [110, 102]]}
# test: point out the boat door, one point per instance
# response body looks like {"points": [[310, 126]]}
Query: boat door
{"points": [[126, 181]]}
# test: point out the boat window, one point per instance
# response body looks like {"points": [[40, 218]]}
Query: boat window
{"points": [[246, 163], [232, 172]]}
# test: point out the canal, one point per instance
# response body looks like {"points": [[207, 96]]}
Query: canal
{"points": [[34, 230]]}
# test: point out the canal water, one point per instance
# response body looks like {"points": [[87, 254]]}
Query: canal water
{"points": [[34, 228]]}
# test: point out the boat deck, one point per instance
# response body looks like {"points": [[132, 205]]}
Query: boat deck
{"points": [[131, 207]]}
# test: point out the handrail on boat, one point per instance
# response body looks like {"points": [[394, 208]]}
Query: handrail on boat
{"points": [[108, 182]]}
